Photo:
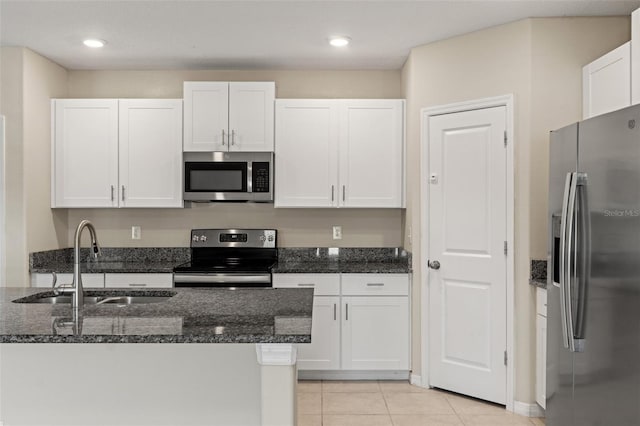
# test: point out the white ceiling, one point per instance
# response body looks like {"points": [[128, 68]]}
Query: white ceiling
{"points": [[238, 34]]}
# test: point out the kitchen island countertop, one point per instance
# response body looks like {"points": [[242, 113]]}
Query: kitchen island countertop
{"points": [[190, 316]]}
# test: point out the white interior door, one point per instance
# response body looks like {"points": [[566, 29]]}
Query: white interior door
{"points": [[466, 235]]}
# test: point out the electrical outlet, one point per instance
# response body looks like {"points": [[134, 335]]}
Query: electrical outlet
{"points": [[136, 233], [337, 232]]}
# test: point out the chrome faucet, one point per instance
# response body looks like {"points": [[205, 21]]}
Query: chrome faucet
{"points": [[77, 301]]}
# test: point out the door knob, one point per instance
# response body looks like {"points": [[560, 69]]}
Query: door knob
{"points": [[434, 264]]}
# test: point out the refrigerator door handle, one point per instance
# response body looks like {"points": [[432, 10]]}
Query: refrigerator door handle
{"points": [[583, 255], [570, 266], [563, 261]]}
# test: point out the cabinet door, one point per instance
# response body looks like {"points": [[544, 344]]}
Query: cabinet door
{"points": [[323, 353], [206, 116], [375, 333], [150, 153], [46, 280], [322, 284], [306, 153], [371, 153], [251, 115], [151, 280], [85, 153], [541, 360], [606, 82]]}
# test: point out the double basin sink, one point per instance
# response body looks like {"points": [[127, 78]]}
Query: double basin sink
{"points": [[101, 297]]}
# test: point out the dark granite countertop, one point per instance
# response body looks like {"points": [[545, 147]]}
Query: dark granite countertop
{"points": [[190, 316], [538, 276], [385, 260], [112, 259]]}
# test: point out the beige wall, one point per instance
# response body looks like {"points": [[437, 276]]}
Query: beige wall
{"points": [[11, 106], [539, 61], [44, 79], [29, 81], [297, 227]]}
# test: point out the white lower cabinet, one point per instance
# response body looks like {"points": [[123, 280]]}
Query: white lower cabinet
{"points": [[375, 333], [324, 351], [138, 280], [46, 280], [360, 321], [100, 280], [541, 346]]}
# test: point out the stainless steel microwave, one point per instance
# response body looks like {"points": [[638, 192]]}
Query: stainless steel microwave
{"points": [[228, 176]]}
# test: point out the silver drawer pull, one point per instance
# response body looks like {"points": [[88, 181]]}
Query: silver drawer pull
{"points": [[306, 285], [375, 284], [137, 285]]}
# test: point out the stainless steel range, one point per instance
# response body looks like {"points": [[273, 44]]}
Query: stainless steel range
{"points": [[234, 258]]}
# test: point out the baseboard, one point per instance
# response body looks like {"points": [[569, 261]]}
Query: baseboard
{"points": [[352, 375], [528, 410], [416, 380]]}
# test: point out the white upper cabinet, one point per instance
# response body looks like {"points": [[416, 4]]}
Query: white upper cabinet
{"points": [[306, 157], [84, 153], [111, 153], [635, 57], [150, 153], [228, 116], [371, 153], [339, 153], [606, 82]]}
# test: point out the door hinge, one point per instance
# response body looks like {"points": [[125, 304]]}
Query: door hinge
{"points": [[505, 138], [505, 248], [505, 357]]}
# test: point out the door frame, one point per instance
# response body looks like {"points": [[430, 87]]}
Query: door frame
{"points": [[425, 114]]}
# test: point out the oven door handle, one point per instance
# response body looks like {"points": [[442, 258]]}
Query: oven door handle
{"points": [[222, 278]]}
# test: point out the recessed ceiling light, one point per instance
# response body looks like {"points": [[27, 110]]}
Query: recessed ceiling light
{"points": [[94, 42], [340, 41]]}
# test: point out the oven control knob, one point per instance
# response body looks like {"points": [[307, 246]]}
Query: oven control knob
{"points": [[203, 238], [195, 238], [262, 238], [270, 238]]}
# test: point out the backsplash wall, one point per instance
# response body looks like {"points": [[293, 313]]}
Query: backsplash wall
{"points": [[296, 227]]}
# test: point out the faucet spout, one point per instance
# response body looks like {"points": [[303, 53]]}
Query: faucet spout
{"points": [[77, 301]]}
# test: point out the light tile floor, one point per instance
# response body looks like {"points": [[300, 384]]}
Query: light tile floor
{"points": [[382, 403]]}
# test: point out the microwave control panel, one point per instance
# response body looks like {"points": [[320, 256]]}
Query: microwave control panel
{"points": [[261, 181]]}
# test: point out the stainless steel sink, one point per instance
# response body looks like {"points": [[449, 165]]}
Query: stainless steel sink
{"points": [[123, 300]]}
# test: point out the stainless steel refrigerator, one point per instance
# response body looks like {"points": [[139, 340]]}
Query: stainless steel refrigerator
{"points": [[593, 291]]}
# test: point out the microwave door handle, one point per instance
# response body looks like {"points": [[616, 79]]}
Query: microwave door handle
{"points": [[562, 260], [583, 255]]}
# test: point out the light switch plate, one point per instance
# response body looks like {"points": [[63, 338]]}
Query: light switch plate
{"points": [[337, 232], [136, 233]]}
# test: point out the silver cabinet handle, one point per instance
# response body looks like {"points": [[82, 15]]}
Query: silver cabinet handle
{"points": [[335, 310], [233, 137], [112, 189], [306, 285], [332, 193], [433, 264], [346, 311], [375, 284], [137, 285], [343, 192], [222, 136], [122, 192]]}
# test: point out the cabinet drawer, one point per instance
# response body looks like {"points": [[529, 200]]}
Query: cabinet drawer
{"points": [[541, 301], [375, 284], [88, 280], [323, 284], [138, 280]]}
